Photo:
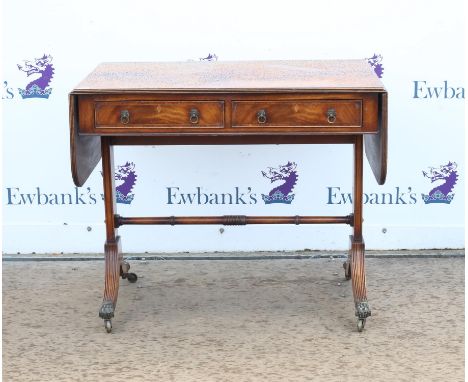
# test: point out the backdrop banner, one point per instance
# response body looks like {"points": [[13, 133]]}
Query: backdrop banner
{"points": [[50, 46]]}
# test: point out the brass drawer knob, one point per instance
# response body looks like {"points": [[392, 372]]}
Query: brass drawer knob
{"points": [[261, 116], [194, 116], [124, 117], [331, 115]]}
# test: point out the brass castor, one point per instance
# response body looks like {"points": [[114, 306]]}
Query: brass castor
{"points": [[347, 270], [361, 323], [108, 325], [131, 277], [124, 267], [125, 274]]}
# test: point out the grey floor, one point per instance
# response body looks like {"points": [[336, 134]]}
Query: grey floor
{"points": [[235, 320]]}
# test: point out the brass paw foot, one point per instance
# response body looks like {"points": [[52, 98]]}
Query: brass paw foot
{"points": [[362, 310], [107, 310]]}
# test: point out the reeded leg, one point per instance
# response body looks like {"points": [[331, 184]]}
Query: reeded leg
{"points": [[113, 262], [356, 257], [112, 250], [358, 280]]}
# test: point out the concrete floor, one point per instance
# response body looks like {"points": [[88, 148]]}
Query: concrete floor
{"points": [[222, 320]]}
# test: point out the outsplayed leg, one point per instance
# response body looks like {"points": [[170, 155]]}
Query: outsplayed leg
{"points": [[112, 275], [358, 280], [356, 258], [113, 257]]}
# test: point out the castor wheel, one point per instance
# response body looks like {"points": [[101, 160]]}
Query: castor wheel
{"points": [[124, 267], [347, 270], [132, 277], [108, 325], [360, 324]]}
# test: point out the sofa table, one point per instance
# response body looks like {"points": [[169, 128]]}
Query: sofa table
{"points": [[228, 103]]}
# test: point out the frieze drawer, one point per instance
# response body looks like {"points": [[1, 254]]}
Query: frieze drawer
{"points": [[316, 113], [165, 114]]}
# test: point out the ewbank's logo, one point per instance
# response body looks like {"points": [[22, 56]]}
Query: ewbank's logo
{"points": [[443, 193], [376, 62], [286, 174], [42, 71], [210, 57], [423, 90], [126, 177]]}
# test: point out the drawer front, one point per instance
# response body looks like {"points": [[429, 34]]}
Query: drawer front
{"points": [[317, 113], [167, 114]]}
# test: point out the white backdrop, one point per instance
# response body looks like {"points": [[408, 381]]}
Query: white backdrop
{"points": [[420, 48]]}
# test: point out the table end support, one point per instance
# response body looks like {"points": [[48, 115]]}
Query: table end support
{"points": [[355, 270], [113, 269]]}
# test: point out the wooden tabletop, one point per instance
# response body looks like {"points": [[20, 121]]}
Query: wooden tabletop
{"points": [[221, 76], [197, 78]]}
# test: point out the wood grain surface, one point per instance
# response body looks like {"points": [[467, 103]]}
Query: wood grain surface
{"points": [[85, 150], [170, 114], [297, 113], [354, 75]]}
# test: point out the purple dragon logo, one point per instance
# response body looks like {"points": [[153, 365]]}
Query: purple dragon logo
{"points": [[443, 192], [376, 62], [210, 57], [288, 176], [126, 177], [42, 70]]}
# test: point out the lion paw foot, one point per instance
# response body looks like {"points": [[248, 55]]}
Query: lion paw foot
{"points": [[362, 309], [107, 310]]}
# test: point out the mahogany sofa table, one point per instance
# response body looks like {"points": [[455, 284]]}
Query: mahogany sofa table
{"points": [[228, 103]]}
